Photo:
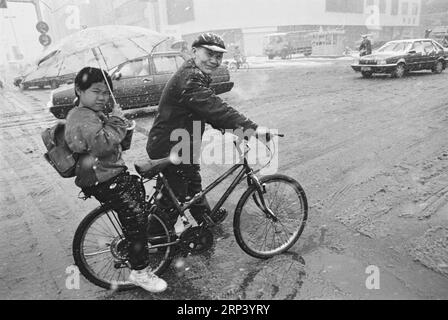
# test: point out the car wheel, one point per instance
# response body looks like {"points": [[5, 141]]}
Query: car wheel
{"points": [[399, 71], [366, 74], [284, 54], [438, 67], [271, 56]]}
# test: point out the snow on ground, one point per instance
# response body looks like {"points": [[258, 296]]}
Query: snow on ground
{"points": [[296, 60]]}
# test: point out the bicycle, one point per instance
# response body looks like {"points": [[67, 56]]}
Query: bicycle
{"points": [[268, 220], [234, 65]]}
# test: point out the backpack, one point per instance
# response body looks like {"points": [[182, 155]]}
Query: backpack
{"points": [[58, 153]]}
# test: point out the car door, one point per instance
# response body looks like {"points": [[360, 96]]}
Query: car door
{"points": [[416, 58], [440, 52], [132, 83], [429, 54], [163, 67]]}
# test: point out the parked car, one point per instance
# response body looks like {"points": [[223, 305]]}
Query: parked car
{"points": [[398, 57], [26, 82], [138, 83]]}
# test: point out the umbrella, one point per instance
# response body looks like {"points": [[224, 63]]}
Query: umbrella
{"points": [[105, 47]]}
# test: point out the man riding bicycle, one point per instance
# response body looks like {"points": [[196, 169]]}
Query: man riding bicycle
{"points": [[188, 99]]}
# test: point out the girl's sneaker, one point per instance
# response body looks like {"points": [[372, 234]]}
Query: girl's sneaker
{"points": [[147, 280]]}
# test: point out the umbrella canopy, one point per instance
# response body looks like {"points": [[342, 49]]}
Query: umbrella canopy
{"points": [[104, 46]]}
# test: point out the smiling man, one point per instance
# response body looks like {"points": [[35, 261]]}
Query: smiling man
{"points": [[188, 102]]}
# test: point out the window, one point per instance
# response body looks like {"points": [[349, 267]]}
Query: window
{"points": [[395, 47], [345, 6], [428, 48], [382, 6], [180, 61], [137, 68], [414, 9], [404, 8], [165, 64], [394, 8], [418, 47]]}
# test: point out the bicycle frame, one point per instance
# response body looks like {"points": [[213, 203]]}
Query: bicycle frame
{"points": [[245, 172]]}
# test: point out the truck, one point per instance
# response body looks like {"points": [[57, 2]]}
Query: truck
{"points": [[285, 44]]}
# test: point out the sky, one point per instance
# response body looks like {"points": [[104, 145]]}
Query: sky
{"points": [[24, 25]]}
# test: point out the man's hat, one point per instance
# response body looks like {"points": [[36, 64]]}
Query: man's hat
{"points": [[210, 41]]}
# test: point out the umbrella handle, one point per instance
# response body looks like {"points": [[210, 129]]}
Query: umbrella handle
{"points": [[104, 75]]}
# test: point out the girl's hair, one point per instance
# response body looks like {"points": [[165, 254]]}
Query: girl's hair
{"points": [[88, 76]]}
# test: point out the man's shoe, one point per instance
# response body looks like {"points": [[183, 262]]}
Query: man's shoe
{"points": [[219, 216], [147, 280]]}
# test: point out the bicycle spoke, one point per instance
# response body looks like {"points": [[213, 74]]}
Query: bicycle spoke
{"points": [[96, 253], [262, 235], [101, 253], [109, 264]]}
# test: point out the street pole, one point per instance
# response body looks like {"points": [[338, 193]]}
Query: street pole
{"points": [[38, 11]]}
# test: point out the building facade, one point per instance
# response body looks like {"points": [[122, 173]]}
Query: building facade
{"points": [[247, 22], [243, 23]]}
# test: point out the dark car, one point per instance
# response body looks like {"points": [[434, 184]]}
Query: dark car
{"points": [[139, 83], [26, 82], [398, 57]]}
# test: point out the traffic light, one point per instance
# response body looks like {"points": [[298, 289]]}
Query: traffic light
{"points": [[3, 4]]}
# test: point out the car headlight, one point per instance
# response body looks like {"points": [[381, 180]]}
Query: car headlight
{"points": [[381, 61]]}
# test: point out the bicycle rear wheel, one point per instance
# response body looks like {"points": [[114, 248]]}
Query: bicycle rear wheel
{"points": [[100, 250], [259, 235]]}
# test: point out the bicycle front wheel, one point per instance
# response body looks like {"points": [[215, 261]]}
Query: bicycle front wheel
{"points": [[100, 250], [259, 234]]}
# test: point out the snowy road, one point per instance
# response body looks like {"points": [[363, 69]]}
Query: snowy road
{"points": [[372, 155]]}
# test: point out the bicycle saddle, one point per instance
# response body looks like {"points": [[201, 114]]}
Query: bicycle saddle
{"points": [[148, 168]]}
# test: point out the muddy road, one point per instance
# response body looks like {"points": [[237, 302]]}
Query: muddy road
{"points": [[371, 154]]}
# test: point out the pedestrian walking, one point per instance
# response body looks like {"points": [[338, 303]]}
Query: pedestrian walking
{"points": [[366, 46]]}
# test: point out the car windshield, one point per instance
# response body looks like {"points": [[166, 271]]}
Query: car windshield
{"points": [[395, 47]]}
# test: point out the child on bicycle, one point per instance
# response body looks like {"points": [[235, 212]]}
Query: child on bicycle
{"points": [[101, 172], [187, 98]]}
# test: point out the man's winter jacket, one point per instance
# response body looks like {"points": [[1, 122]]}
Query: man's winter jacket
{"points": [[188, 99]]}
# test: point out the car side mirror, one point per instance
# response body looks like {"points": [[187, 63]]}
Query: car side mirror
{"points": [[116, 76], [412, 52]]}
